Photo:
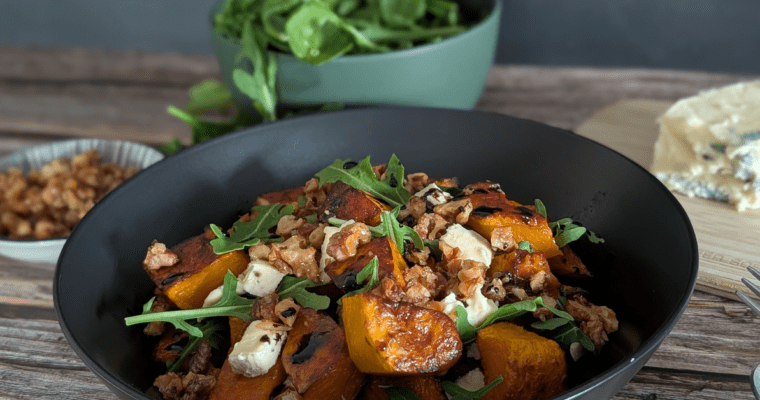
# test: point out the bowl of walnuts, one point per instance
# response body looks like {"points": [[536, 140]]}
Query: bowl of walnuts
{"points": [[45, 190]]}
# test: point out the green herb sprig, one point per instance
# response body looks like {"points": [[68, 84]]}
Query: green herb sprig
{"points": [[361, 176], [249, 233], [230, 305], [209, 330], [568, 333], [390, 227], [295, 288], [565, 229]]}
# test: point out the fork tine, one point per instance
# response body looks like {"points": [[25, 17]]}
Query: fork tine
{"points": [[751, 285], [754, 271], [749, 302]]}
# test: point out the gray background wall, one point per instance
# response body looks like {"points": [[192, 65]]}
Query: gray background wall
{"points": [[711, 35]]}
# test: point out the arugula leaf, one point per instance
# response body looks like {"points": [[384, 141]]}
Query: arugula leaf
{"points": [[569, 333], [295, 288], [230, 305], [456, 392], [260, 86], [389, 226], [247, 234], [525, 245], [361, 176], [208, 329], [565, 230], [371, 271]]}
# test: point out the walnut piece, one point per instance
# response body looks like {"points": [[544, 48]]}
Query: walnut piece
{"points": [[159, 256]]}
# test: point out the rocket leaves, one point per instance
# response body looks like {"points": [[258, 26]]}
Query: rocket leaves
{"points": [[361, 176], [245, 234]]}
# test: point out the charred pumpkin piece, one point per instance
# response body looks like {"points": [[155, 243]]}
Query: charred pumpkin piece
{"points": [[346, 202], [316, 358], [569, 264], [493, 210], [170, 346], [391, 264], [232, 386], [285, 197], [526, 266], [391, 338], [532, 366], [426, 387]]}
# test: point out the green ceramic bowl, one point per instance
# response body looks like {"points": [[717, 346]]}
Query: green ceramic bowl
{"points": [[447, 74]]}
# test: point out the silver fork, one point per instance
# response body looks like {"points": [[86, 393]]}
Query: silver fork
{"points": [[754, 380]]}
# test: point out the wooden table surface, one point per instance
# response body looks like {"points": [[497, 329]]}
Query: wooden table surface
{"points": [[50, 94]]}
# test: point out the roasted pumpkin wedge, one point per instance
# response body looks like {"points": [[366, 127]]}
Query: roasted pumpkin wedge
{"points": [[287, 196], [532, 366], [346, 202], [493, 210], [569, 264], [532, 268], [198, 272], [232, 386], [316, 358], [391, 338], [390, 264]]}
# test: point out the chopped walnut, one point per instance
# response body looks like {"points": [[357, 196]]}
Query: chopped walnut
{"points": [[192, 386], [259, 251], [471, 277], [431, 226], [414, 208], [538, 281], [455, 211], [293, 256], [390, 290], [200, 362], [317, 236], [544, 313], [288, 224], [422, 284], [502, 239], [315, 196], [344, 243], [596, 321], [494, 290], [418, 257], [159, 256], [286, 311], [264, 307], [416, 182], [379, 171], [485, 185], [162, 303]]}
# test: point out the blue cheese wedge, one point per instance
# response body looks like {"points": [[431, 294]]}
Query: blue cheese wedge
{"points": [[709, 146]]}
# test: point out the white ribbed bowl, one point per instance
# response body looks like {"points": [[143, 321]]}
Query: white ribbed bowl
{"points": [[123, 153]]}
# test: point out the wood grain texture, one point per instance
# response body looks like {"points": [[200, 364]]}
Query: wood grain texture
{"points": [[728, 240]]}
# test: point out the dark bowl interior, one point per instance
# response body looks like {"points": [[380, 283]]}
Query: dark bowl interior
{"points": [[645, 271]]}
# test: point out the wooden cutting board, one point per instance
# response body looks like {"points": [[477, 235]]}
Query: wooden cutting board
{"points": [[728, 241]]}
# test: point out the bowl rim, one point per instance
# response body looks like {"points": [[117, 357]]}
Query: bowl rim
{"points": [[481, 25], [638, 356]]}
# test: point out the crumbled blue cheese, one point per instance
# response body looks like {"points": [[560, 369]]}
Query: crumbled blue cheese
{"points": [[471, 245], [259, 279], [259, 348], [709, 146], [434, 195], [478, 307]]}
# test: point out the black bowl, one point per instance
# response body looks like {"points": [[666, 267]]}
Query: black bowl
{"points": [[645, 271]]}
